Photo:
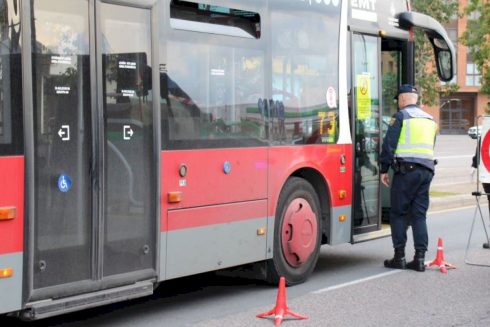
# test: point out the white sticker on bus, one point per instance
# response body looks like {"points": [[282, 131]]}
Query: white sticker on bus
{"points": [[128, 93], [364, 15], [331, 97], [127, 65], [64, 133], [326, 2], [364, 10], [61, 60], [62, 89]]}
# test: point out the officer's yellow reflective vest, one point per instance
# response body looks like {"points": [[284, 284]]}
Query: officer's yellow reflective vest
{"points": [[417, 135]]}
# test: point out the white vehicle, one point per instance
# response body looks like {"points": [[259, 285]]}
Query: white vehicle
{"points": [[474, 131]]}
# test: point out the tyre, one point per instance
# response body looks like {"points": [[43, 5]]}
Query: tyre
{"points": [[297, 233]]}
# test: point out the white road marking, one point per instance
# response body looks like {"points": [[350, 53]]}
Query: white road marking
{"points": [[358, 281], [454, 157], [445, 184]]}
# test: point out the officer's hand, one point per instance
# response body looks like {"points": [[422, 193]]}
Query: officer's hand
{"points": [[385, 179]]}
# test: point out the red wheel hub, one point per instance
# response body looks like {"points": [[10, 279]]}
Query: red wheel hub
{"points": [[299, 232]]}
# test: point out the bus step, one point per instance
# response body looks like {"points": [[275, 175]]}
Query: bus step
{"points": [[45, 309]]}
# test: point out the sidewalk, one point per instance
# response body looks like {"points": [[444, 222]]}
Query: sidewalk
{"points": [[462, 197], [453, 183]]}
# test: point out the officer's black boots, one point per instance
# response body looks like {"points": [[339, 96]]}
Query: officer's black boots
{"points": [[418, 262], [398, 261], [485, 246]]}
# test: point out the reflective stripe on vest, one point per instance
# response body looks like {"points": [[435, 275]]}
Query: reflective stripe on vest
{"points": [[417, 139]]}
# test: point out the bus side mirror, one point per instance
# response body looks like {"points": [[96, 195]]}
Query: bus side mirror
{"points": [[443, 47], [444, 59]]}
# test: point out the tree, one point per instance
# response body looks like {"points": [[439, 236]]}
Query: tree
{"points": [[442, 11], [477, 39]]}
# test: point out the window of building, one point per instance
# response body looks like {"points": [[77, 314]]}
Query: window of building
{"points": [[474, 15], [473, 75]]}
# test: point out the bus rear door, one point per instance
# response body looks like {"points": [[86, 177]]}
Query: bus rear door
{"points": [[92, 201]]}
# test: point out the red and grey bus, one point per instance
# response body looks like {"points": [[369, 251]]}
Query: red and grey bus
{"points": [[143, 141]]}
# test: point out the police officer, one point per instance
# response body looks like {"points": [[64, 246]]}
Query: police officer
{"points": [[408, 148]]}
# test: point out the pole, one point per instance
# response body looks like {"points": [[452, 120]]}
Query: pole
{"points": [[410, 52]]}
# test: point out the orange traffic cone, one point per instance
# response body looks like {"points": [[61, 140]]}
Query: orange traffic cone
{"points": [[439, 260], [281, 309]]}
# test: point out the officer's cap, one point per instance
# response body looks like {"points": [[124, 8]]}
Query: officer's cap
{"points": [[406, 88]]}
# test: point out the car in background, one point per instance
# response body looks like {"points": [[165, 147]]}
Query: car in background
{"points": [[474, 131]]}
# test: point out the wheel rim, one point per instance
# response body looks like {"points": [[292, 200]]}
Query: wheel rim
{"points": [[299, 232]]}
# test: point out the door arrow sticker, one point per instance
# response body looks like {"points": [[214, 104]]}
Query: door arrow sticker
{"points": [[64, 132], [127, 132]]}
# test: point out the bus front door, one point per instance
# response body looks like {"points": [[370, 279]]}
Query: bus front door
{"points": [[377, 73], [93, 215], [366, 123]]}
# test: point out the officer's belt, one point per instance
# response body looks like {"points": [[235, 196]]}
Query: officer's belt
{"points": [[409, 166]]}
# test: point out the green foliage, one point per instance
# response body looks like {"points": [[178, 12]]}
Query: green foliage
{"points": [[390, 89], [477, 39], [442, 11]]}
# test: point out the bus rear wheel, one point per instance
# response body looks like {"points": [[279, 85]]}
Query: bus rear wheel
{"points": [[297, 233]]}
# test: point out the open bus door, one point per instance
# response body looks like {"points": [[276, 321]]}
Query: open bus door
{"points": [[376, 73], [378, 70], [379, 66]]}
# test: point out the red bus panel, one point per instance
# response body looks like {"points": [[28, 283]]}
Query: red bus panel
{"points": [[220, 214], [12, 195], [214, 176], [327, 160]]}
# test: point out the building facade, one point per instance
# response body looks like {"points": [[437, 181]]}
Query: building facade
{"points": [[459, 110]]}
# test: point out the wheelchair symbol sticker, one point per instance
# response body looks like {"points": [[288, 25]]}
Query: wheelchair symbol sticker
{"points": [[64, 183]]}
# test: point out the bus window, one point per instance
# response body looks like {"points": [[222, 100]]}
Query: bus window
{"points": [[391, 77], [304, 73], [11, 138], [198, 17], [212, 95]]}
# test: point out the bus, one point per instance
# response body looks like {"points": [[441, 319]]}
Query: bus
{"points": [[143, 141]]}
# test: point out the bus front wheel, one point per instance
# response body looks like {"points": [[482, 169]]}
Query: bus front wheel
{"points": [[297, 233]]}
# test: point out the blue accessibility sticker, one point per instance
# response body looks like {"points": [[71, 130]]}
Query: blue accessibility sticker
{"points": [[64, 183]]}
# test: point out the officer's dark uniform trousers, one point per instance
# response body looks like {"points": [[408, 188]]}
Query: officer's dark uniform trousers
{"points": [[410, 192]]}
